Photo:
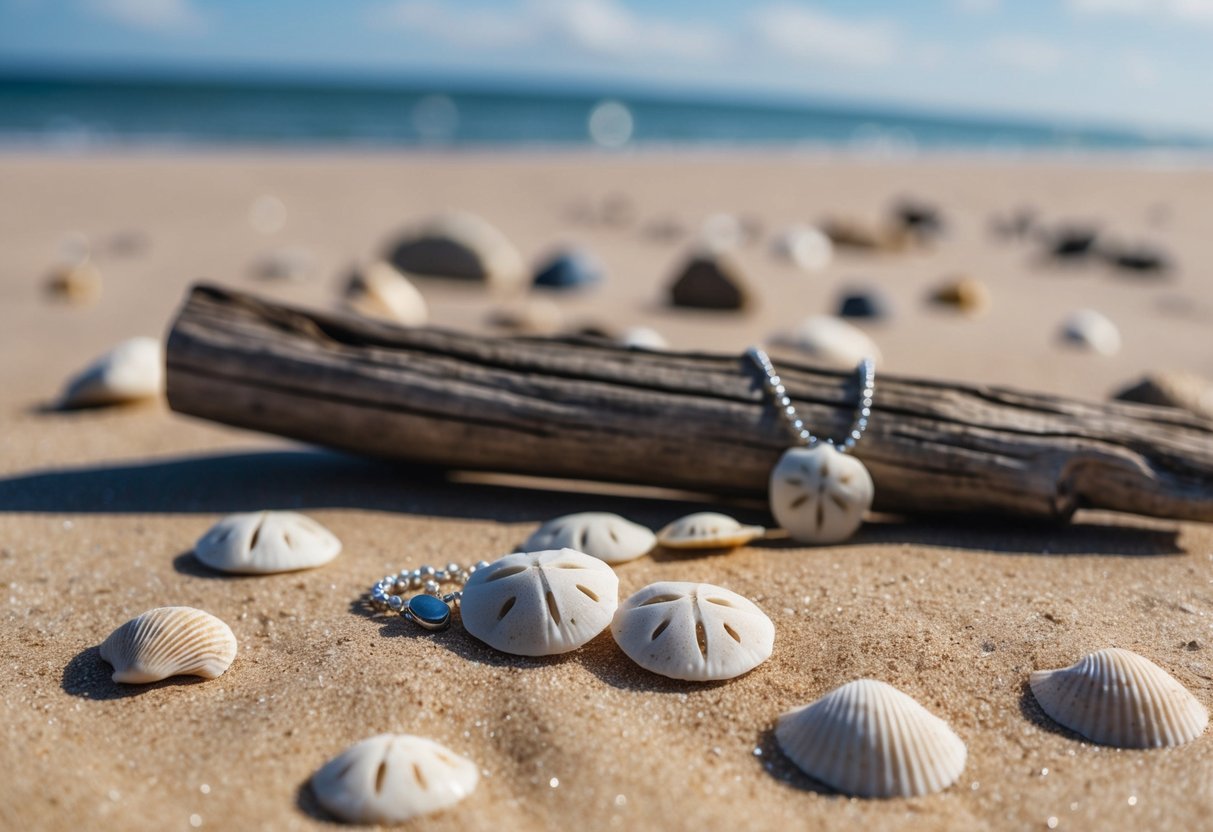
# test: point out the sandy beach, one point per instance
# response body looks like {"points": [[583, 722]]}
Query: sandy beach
{"points": [[99, 509]]}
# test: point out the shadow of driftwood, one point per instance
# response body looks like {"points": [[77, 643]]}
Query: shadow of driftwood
{"points": [[87, 675]]}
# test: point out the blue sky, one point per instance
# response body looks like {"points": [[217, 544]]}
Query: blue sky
{"points": [[1136, 62]]}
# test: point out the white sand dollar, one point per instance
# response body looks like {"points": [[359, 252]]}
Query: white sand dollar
{"points": [[819, 494], [831, 342], [265, 542], [869, 739], [392, 778], [379, 290], [606, 536], [169, 641], [1116, 697], [695, 632], [130, 372], [707, 530], [540, 603]]}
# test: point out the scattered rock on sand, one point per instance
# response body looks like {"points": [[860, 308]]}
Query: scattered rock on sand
{"points": [[805, 247], [287, 264], [462, 246], [379, 290], [1072, 243], [1091, 330], [78, 283], [569, 269], [710, 281], [853, 234], [829, 342], [923, 220], [965, 294], [1142, 261], [532, 316], [643, 338], [1186, 391], [865, 303], [130, 372]]}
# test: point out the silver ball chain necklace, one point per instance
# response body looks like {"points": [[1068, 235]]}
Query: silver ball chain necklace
{"points": [[819, 492]]}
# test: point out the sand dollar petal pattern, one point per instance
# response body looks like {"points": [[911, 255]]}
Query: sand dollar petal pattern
{"points": [[392, 778], [819, 494], [707, 530], [603, 535], [540, 603], [691, 631], [265, 542]]}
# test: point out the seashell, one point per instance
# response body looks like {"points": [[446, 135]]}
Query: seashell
{"points": [[819, 494], [130, 372], [805, 247], [695, 632], [380, 291], [540, 603], [643, 338], [1091, 330], [828, 341], [265, 542], [707, 530], [603, 535], [462, 246], [1116, 697], [392, 778], [170, 641], [869, 739]]}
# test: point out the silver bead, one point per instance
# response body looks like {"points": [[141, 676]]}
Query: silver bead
{"points": [[388, 580], [415, 581], [427, 571], [395, 603], [440, 575], [379, 606], [453, 568], [416, 573], [431, 587], [401, 585]]}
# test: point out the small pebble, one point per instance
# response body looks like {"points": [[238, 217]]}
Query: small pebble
{"points": [[965, 294], [710, 281], [569, 269], [1091, 330], [861, 304]]}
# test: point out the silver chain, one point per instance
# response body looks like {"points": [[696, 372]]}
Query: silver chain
{"points": [[387, 593], [866, 372]]}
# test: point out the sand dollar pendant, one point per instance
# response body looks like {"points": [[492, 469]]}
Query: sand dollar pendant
{"points": [[819, 492]]}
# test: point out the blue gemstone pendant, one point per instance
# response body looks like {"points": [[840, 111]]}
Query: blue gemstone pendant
{"points": [[428, 612]]}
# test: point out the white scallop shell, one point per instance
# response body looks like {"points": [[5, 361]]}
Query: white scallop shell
{"points": [[391, 778], [1116, 697], [707, 530], [695, 632], [819, 494], [170, 641], [130, 372], [1091, 330], [869, 739], [831, 342], [265, 542], [603, 535], [379, 290], [540, 603]]}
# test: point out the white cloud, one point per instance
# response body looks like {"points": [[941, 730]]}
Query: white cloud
{"points": [[977, 6], [150, 15], [603, 27], [1025, 53], [1188, 11], [805, 33]]}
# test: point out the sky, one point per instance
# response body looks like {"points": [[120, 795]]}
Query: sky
{"points": [[1140, 63]]}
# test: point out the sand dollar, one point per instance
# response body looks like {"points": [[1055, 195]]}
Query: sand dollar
{"points": [[540, 603], [603, 535], [696, 632], [819, 494], [265, 542]]}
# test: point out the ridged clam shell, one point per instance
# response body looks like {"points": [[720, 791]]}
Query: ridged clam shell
{"points": [[696, 632], [707, 530], [391, 778], [540, 603], [603, 535], [379, 290], [1116, 697], [131, 371], [170, 641], [265, 542], [869, 739], [819, 494]]}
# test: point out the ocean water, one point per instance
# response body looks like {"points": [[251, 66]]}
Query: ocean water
{"points": [[81, 113]]}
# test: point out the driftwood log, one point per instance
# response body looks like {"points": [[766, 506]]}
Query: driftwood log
{"points": [[585, 410]]}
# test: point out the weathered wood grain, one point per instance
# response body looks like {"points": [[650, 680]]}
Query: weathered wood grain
{"points": [[585, 410]]}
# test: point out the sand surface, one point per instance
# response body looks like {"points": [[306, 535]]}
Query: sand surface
{"points": [[99, 511]]}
